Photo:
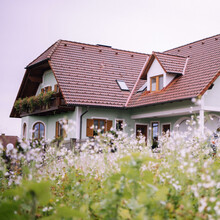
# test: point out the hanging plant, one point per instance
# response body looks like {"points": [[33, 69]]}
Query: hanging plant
{"points": [[32, 102], [47, 97], [40, 100], [24, 104], [17, 105]]}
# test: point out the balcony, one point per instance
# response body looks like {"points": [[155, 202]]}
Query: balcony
{"points": [[54, 105]]}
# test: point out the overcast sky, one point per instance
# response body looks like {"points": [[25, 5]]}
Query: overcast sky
{"points": [[28, 27]]}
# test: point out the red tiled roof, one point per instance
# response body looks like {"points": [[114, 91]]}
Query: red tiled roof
{"points": [[87, 74], [202, 68], [171, 63]]}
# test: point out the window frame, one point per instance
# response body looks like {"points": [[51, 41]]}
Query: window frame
{"points": [[59, 130], [33, 133], [163, 125], [95, 130], [158, 130], [123, 123], [157, 83], [122, 85], [145, 124], [91, 131]]}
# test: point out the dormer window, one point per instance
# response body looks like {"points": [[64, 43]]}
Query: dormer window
{"points": [[143, 87], [122, 85], [156, 83]]}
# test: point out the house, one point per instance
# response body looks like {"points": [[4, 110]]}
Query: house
{"points": [[102, 87]]}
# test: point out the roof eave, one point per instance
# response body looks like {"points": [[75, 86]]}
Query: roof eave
{"points": [[38, 63]]}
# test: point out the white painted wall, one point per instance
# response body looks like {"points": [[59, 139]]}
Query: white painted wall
{"points": [[155, 70], [212, 97], [48, 79], [212, 122], [169, 78]]}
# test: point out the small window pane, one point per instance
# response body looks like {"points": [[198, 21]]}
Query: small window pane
{"points": [[102, 125], [96, 124], [155, 130], [41, 130], [119, 125], [153, 84], [160, 82], [122, 85], [36, 130]]}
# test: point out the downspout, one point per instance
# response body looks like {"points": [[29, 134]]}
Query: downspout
{"points": [[81, 116]]}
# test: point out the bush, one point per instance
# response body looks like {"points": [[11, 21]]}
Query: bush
{"points": [[182, 181]]}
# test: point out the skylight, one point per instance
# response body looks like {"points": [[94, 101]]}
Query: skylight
{"points": [[122, 85], [143, 87]]}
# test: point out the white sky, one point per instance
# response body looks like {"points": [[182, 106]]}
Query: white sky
{"points": [[29, 27]]}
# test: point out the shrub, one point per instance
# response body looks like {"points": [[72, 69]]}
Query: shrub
{"points": [[181, 181]]}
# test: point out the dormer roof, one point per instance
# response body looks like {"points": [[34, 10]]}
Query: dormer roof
{"points": [[173, 64]]}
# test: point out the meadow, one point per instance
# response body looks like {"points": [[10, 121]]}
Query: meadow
{"points": [[113, 176]]}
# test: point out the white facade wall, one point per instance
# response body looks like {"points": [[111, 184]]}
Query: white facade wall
{"points": [[156, 70], [48, 79]]}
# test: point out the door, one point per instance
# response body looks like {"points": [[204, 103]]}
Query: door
{"points": [[141, 129]]}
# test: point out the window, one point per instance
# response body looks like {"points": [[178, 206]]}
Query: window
{"points": [[93, 125], [122, 85], [155, 130], [24, 130], [143, 87], [119, 124], [60, 131], [99, 124], [165, 129], [39, 130], [156, 83], [141, 129], [46, 89]]}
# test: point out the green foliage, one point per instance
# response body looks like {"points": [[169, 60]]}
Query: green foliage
{"points": [[18, 105], [24, 201], [131, 183], [32, 102]]}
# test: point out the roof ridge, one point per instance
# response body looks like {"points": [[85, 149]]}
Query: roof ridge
{"points": [[55, 47], [95, 45], [170, 54], [193, 42]]}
